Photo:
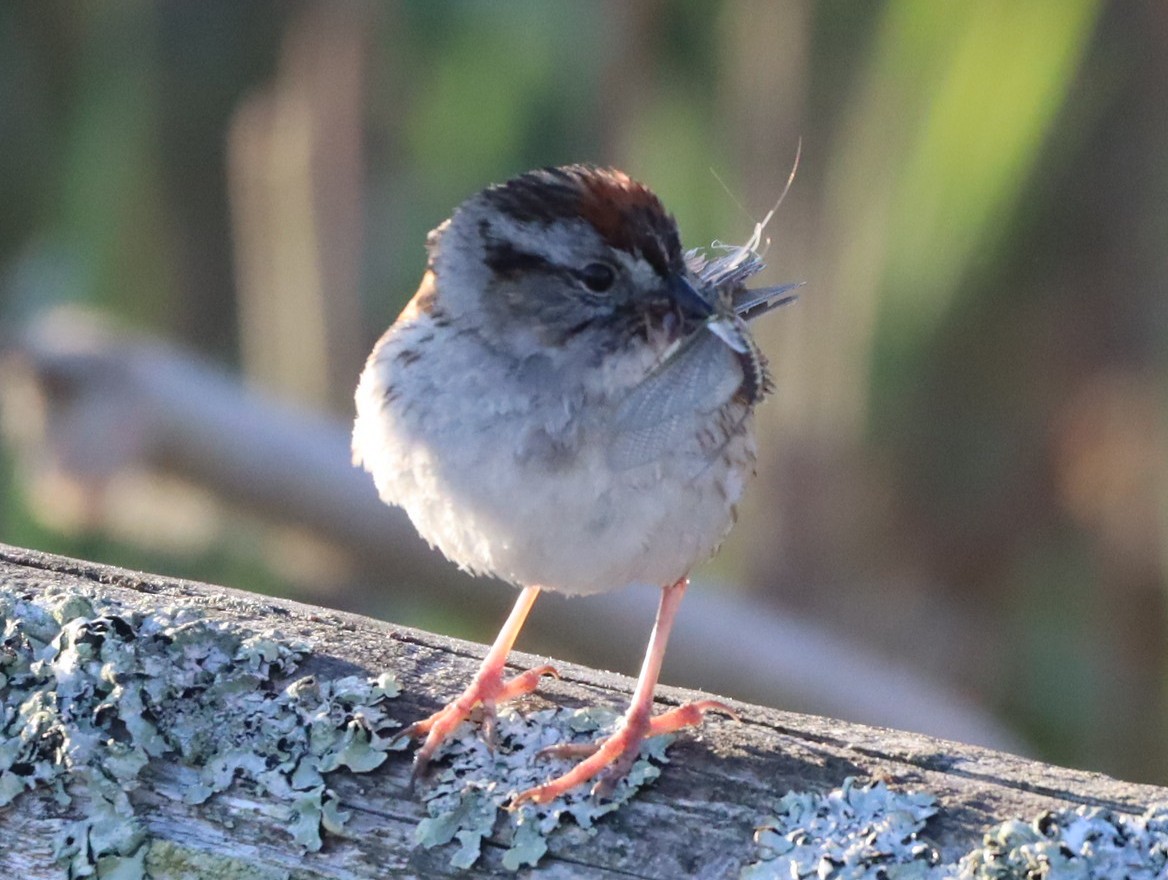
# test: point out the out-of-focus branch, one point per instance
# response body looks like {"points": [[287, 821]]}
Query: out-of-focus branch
{"points": [[87, 404]]}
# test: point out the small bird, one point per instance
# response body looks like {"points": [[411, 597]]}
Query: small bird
{"points": [[566, 404]]}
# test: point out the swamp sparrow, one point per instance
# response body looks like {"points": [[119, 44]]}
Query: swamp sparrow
{"points": [[566, 404]]}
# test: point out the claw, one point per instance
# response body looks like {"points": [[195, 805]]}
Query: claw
{"points": [[688, 715], [569, 750], [487, 689], [610, 759]]}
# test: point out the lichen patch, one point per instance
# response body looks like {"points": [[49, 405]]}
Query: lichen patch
{"points": [[1086, 842], [466, 797], [92, 693], [855, 832], [870, 832]]}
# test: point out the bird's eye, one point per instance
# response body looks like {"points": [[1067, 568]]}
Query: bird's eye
{"points": [[597, 277]]}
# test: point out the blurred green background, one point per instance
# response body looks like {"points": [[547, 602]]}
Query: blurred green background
{"points": [[965, 467]]}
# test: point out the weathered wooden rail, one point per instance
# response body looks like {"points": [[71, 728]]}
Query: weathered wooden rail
{"points": [[697, 819]]}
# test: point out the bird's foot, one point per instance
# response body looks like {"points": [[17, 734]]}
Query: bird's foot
{"points": [[611, 758], [487, 690]]}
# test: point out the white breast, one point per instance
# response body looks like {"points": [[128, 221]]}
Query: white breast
{"points": [[510, 475]]}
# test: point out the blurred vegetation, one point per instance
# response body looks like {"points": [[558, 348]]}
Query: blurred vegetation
{"points": [[966, 463]]}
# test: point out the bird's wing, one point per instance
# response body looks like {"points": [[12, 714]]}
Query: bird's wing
{"points": [[701, 375]]}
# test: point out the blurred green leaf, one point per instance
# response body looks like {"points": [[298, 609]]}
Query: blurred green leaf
{"points": [[987, 81]]}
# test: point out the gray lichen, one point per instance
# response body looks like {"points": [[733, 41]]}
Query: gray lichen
{"points": [[93, 693], [869, 832], [466, 797], [1079, 844], [855, 832]]}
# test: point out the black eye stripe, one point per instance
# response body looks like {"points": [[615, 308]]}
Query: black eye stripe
{"points": [[505, 259]]}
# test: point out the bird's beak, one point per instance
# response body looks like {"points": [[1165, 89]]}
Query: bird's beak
{"points": [[687, 298]]}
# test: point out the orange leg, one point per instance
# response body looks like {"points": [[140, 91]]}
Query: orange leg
{"points": [[613, 757], [487, 688]]}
